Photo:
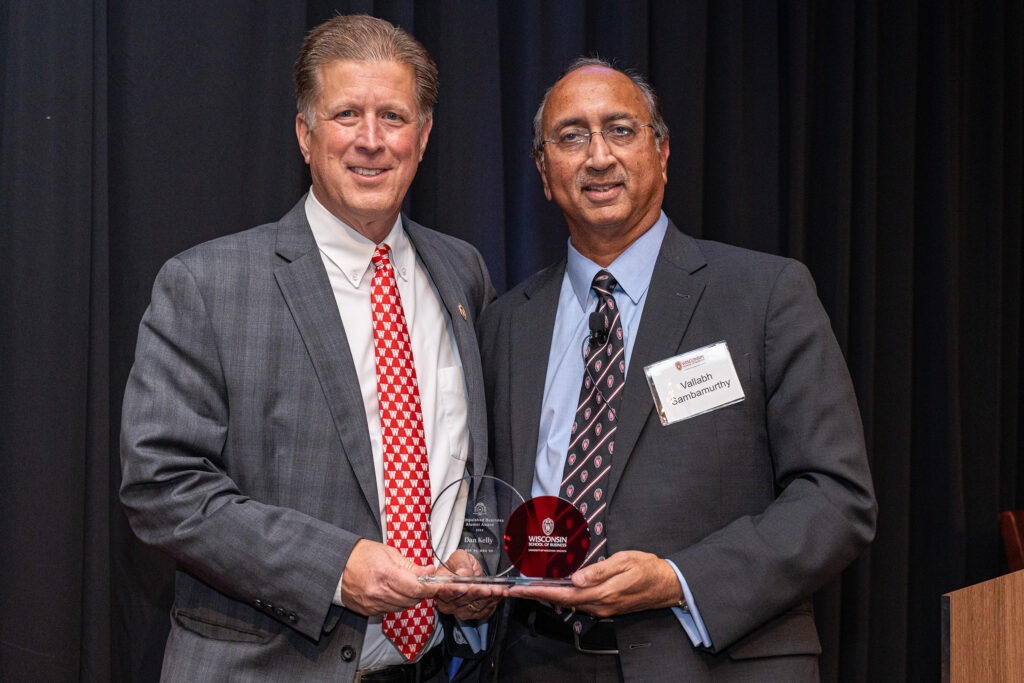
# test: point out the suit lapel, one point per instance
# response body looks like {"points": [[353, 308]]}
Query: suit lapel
{"points": [[307, 293], [676, 286], [532, 325], [456, 302]]}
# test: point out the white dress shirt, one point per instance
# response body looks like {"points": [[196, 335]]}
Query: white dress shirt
{"points": [[347, 256]]}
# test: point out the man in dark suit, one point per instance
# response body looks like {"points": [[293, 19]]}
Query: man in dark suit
{"points": [[715, 446], [259, 447]]}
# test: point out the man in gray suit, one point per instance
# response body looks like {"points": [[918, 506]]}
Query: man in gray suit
{"points": [[722, 471], [255, 446]]}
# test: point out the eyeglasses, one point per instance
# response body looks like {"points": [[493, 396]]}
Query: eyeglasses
{"points": [[578, 139]]}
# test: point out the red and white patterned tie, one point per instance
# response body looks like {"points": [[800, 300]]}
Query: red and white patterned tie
{"points": [[406, 477]]}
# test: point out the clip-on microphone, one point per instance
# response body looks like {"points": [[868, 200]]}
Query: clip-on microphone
{"points": [[598, 331]]}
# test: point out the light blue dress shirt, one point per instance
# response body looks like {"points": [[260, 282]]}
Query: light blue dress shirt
{"points": [[576, 301]]}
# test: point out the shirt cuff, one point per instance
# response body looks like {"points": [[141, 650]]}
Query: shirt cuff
{"points": [[337, 593], [689, 618]]}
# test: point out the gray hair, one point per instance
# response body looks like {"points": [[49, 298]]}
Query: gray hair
{"points": [[361, 38], [650, 98]]}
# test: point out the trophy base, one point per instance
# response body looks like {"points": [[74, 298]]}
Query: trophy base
{"points": [[495, 580]]}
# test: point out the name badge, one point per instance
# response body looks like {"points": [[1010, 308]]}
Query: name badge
{"points": [[694, 383]]}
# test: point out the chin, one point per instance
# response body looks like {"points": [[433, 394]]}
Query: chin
{"points": [[606, 218]]}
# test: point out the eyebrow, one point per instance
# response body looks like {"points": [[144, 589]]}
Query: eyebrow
{"points": [[578, 121], [342, 104]]}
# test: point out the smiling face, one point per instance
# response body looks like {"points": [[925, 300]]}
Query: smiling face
{"points": [[366, 143], [610, 194]]}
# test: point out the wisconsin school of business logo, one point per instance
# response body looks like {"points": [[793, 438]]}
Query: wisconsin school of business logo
{"points": [[547, 526]]}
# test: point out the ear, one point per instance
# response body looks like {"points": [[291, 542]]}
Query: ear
{"points": [[538, 159], [425, 134], [302, 133], [663, 151]]}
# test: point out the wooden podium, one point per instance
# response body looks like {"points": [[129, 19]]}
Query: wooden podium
{"points": [[983, 632]]}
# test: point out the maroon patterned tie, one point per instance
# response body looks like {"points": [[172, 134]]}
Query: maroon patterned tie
{"points": [[406, 477], [589, 458]]}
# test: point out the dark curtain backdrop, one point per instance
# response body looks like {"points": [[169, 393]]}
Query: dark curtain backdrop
{"points": [[880, 143]]}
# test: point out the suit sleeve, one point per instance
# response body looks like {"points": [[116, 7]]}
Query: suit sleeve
{"points": [[759, 566], [175, 488]]}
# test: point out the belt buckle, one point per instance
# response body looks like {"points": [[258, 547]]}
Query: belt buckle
{"points": [[588, 651], [376, 674], [394, 672], [403, 672]]}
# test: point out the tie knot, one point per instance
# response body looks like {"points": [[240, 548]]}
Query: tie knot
{"points": [[604, 282], [381, 256]]}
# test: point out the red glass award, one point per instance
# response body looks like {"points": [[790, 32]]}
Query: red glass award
{"points": [[542, 540]]}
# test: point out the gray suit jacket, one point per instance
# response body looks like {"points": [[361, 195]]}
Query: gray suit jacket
{"points": [[245, 450], [758, 503]]}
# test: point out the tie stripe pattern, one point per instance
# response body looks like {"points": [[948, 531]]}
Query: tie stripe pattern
{"points": [[406, 475], [592, 441]]}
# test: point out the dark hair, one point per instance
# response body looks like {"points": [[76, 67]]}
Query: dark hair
{"points": [[361, 38]]}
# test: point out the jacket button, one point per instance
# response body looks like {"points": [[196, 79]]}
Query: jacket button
{"points": [[258, 603], [348, 654], [292, 617]]}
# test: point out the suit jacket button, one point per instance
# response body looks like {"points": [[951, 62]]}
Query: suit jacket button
{"points": [[279, 612], [258, 603], [292, 617], [348, 654]]}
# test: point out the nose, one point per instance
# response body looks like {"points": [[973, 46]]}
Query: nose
{"points": [[369, 137], [599, 154]]}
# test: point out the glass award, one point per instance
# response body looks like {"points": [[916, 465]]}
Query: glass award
{"points": [[540, 541]]}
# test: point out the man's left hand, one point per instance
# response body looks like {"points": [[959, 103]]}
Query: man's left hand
{"points": [[628, 581], [467, 601]]}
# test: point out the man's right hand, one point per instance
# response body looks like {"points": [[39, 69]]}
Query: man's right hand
{"points": [[378, 579]]}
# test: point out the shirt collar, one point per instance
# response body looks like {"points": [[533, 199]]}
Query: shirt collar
{"points": [[632, 269], [352, 252]]}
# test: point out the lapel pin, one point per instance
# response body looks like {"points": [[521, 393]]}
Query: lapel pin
{"points": [[462, 312]]}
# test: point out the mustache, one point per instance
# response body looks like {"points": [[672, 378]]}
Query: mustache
{"points": [[588, 179]]}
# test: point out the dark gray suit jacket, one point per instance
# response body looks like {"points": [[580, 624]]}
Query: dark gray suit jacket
{"points": [[758, 503], [245, 450]]}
